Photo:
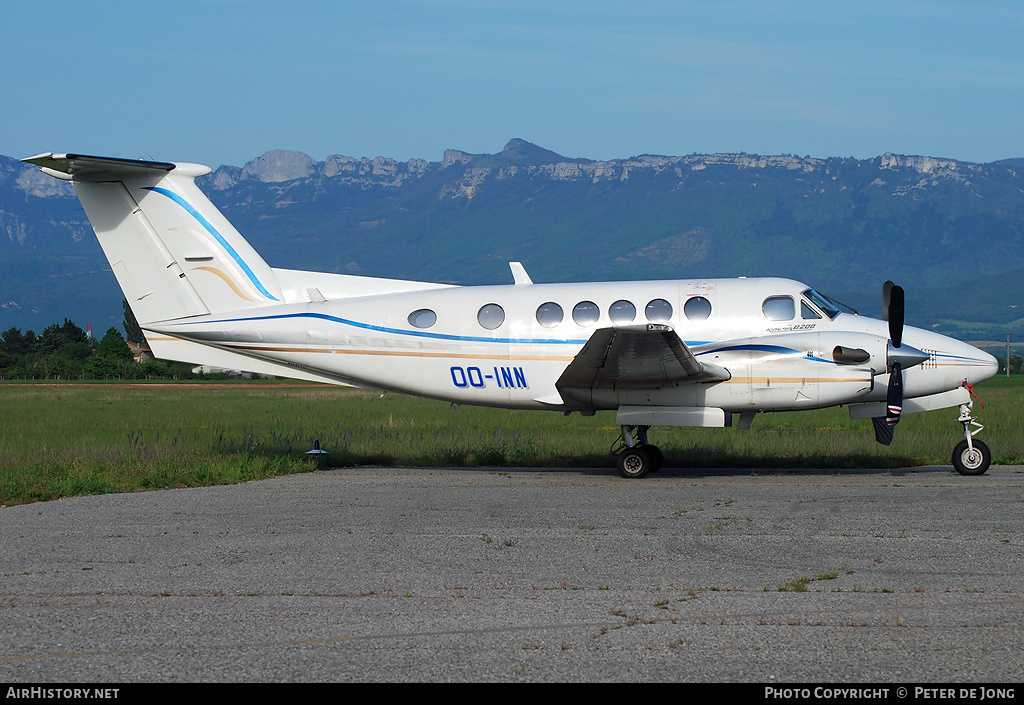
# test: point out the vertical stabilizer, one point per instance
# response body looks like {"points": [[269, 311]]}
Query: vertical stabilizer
{"points": [[173, 253]]}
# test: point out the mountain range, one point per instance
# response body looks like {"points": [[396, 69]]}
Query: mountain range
{"points": [[951, 232]]}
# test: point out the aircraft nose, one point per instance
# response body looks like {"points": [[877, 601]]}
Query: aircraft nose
{"points": [[962, 360], [979, 364], [990, 366]]}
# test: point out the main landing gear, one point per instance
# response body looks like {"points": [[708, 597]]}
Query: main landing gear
{"points": [[970, 457], [638, 457]]}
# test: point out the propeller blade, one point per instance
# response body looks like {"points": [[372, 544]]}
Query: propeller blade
{"points": [[883, 431], [894, 313], [894, 396], [885, 425]]}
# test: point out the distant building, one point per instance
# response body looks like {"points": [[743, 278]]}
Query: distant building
{"points": [[210, 370], [139, 352]]}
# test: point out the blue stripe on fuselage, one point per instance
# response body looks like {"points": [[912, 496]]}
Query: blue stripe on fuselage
{"points": [[777, 349], [395, 331]]}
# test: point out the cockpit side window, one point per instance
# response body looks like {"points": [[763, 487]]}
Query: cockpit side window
{"points": [[807, 311], [823, 303], [779, 308]]}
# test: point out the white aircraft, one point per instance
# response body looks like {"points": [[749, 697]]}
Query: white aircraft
{"points": [[658, 353]]}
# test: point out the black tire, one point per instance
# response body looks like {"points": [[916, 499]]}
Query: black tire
{"points": [[657, 458], [634, 463], [966, 463]]}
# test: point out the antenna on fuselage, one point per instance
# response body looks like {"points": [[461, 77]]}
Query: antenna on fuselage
{"points": [[519, 275]]}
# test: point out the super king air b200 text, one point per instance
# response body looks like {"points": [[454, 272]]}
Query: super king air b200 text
{"points": [[661, 353]]}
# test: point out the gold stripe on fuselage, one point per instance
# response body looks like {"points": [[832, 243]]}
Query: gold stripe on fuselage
{"points": [[401, 353]]}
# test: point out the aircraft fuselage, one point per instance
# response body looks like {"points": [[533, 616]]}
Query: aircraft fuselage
{"points": [[781, 364]]}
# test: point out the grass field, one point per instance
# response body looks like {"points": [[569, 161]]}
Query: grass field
{"points": [[65, 439]]}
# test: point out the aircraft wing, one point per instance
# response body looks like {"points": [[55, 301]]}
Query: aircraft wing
{"points": [[635, 357]]}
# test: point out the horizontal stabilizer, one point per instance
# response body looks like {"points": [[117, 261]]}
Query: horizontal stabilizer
{"points": [[81, 167]]}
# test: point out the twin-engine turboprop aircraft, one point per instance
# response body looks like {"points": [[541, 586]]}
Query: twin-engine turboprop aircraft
{"points": [[669, 353]]}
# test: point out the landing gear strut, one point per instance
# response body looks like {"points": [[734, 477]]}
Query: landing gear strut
{"points": [[970, 457], [638, 457]]}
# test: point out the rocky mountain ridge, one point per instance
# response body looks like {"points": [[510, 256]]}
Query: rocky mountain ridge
{"points": [[842, 224], [518, 156], [277, 166]]}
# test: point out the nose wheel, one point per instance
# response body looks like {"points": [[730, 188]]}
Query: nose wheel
{"points": [[638, 458], [970, 457]]}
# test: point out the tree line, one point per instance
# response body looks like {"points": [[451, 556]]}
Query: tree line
{"points": [[66, 352]]}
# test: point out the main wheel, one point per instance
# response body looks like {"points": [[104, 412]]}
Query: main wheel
{"points": [[967, 462], [635, 462], [657, 458]]}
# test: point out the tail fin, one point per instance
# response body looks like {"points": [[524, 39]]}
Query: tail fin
{"points": [[173, 253]]}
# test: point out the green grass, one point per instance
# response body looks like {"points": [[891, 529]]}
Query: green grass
{"points": [[63, 440]]}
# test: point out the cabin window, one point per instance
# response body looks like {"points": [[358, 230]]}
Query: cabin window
{"points": [[622, 312], [549, 315], [422, 318], [806, 312], [658, 310], [779, 308], [697, 308], [491, 316], [585, 313]]}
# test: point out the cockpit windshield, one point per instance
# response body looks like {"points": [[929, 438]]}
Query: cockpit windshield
{"points": [[824, 303]]}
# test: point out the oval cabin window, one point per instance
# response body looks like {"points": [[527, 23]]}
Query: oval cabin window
{"points": [[422, 318], [491, 316], [622, 312], [697, 308], [585, 313], [658, 311], [549, 315]]}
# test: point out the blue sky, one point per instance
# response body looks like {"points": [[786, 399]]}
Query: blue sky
{"points": [[222, 81]]}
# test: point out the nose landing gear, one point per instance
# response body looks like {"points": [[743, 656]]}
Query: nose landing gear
{"points": [[970, 457]]}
